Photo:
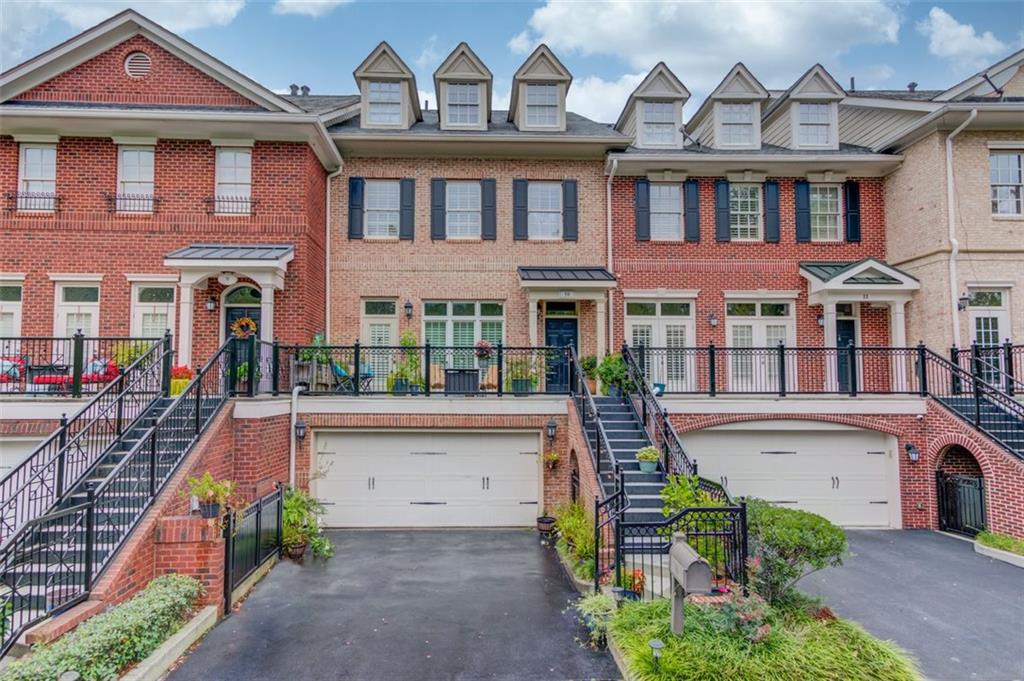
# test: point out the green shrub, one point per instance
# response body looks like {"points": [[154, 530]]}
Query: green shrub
{"points": [[589, 365], [683, 491], [786, 545], [612, 371], [126, 352], [595, 612], [1003, 542], [105, 644], [576, 532], [300, 523]]}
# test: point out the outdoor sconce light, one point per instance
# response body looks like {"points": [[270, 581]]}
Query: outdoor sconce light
{"points": [[551, 427], [913, 453], [656, 646], [821, 320], [963, 302], [408, 310], [211, 304], [712, 319], [300, 430]]}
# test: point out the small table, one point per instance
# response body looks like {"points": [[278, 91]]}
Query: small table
{"points": [[461, 381]]}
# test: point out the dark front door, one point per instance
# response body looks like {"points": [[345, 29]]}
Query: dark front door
{"points": [[961, 503], [846, 333], [232, 315], [559, 333]]}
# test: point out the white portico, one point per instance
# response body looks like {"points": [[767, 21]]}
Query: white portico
{"points": [[567, 285]]}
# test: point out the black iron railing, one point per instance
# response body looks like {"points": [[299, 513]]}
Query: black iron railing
{"points": [[131, 203], [253, 537], [41, 202], [231, 205], [997, 365]]}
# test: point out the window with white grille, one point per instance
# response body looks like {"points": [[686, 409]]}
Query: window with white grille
{"points": [[1006, 176], [234, 180], [745, 212], [382, 208], [152, 310], [385, 103], [463, 103], [541, 104], [544, 216], [462, 210], [659, 123], [826, 212], [736, 124], [666, 212], [37, 178], [815, 125]]}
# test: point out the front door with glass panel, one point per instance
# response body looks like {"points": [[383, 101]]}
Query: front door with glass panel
{"points": [[846, 335], [380, 332], [990, 324], [661, 333], [78, 309], [559, 332], [754, 331], [241, 303]]}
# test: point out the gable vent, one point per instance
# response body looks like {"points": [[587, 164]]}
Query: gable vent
{"points": [[137, 64]]}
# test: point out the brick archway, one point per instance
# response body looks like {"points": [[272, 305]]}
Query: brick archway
{"points": [[940, 448], [958, 460], [704, 421]]}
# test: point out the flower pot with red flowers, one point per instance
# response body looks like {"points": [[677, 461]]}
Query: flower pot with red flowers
{"points": [[211, 494], [180, 378]]}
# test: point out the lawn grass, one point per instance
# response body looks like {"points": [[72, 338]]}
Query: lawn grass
{"points": [[1003, 542], [799, 648]]}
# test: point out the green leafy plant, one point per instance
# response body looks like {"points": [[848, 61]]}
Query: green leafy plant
{"points": [[786, 545], [589, 365], [208, 490], [683, 491], [301, 524], [745, 616], [634, 580], [316, 351], [241, 374], [595, 612], [612, 372], [6, 614], [1003, 542], [126, 352], [648, 453], [520, 370], [551, 459], [105, 644], [575, 532]]}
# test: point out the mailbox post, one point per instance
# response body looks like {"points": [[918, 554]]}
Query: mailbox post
{"points": [[689, 573]]}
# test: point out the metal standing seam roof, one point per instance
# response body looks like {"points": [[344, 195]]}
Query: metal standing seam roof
{"points": [[568, 274], [826, 271], [233, 252]]}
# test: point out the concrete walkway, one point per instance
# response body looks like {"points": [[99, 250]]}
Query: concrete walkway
{"points": [[406, 605], [959, 613]]}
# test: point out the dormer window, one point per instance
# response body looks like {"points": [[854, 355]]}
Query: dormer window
{"points": [[542, 104], [814, 125], [737, 125], [659, 123], [463, 103], [385, 101]]}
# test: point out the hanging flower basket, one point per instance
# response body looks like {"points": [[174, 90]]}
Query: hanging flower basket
{"points": [[243, 327], [483, 349]]}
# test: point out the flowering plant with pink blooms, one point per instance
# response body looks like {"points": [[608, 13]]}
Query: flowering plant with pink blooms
{"points": [[484, 349]]}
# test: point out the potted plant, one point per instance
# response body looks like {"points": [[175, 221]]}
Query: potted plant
{"points": [[551, 460], [241, 376], [483, 349], [181, 376], [311, 365], [520, 376], [410, 365], [300, 526], [212, 495], [614, 375], [588, 364], [633, 583], [648, 458], [398, 380], [546, 524], [127, 352]]}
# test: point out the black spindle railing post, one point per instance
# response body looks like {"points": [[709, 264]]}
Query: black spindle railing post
{"points": [[1008, 366], [167, 361], [782, 368], [426, 369], [229, 560], [851, 367], [152, 464], [232, 377], [122, 388], [90, 533], [744, 548], [664, 441], [501, 369], [954, 357], [597, 545], [976, 384], [357, 369], [254, 366], [922, 369], [711, 369], [62, 440], [199, 403], [275, 371], [77, 363]]}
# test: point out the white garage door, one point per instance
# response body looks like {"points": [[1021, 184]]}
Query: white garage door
{"points": [[13, 451], [847, 475], [428, 479]]}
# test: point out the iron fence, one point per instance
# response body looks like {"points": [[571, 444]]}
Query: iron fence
{"points": [[1000, 366], [253, 536], [231, 205], [131, 203], [42, 202]]}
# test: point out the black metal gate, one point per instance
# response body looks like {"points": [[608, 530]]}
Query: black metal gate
{"points": [[961, 503], [253, 536]]}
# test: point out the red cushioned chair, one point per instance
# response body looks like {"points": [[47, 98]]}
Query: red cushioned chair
{"points": [[106, 376]]}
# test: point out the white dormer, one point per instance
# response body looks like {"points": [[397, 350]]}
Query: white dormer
{"points": [[653, 114], [814, 110], [463, 87], [387, 88], [730, 118], [539, 88]]}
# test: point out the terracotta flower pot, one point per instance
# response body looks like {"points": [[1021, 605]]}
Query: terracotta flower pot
{"points": [[296, 551]]}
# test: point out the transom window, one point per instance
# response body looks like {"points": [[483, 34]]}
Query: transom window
{"points": [[737, 124], [1006, 175], [541, 104], [461, 323], [757, 309], [986, 298], [10, 310], [234, 181], [379, 308], [244, 296], [653, 309], [544, 206], [382, 208], [385, 103], [37, 181], [815, 121], [152, 310], [745, 212], [135, 179], [666, 211], [659, 122], [462, 210], [463, 103], [825, 212]]}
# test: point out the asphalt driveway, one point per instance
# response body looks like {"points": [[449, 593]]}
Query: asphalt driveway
{"points": [[398, 605], [959, 613]]}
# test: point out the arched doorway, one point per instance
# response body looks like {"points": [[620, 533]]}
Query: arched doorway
{"points": [[238, 302], [574, 477], [961, 492]]}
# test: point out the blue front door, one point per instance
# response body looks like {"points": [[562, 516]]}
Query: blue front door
{"points": [[846, 333], [559, 333]]}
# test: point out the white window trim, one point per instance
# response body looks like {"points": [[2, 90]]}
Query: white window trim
{"points": [[447, 210], [839, 226], [682, 213], [448, 123], [561, 212], [403, 105], [1018, 150], [14, 308], [833, 125], [217, 180], [60, 308], [755, 116], [22, 148], [138, 309], [120, 177], [367, 210], [760, 212], [523, 119], [449, 318], [677, 124]]}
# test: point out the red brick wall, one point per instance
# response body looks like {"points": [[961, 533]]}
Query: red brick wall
{"points": [[193, 546], [261, 452], [590, 487], [714, 267], [25, 427], [171, 81], [958, 461]]}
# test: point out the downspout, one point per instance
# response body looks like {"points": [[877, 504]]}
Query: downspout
{"points": [[608, 210], [327, 260], [951, 220], [291, 433]]}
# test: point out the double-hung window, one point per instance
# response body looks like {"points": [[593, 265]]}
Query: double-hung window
{"points": [[815, 123], [737, 124], [541, 104], [135, 179], [544, 206], [462, 210], [666, 212], [745, 212], [37, 178], [1006, 175], [385, 103], [382, 208], [234, 181], [659, 123], [826, 212], [463, 103]]}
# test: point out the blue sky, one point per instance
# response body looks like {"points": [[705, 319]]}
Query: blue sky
{"points": [[608, 46]]}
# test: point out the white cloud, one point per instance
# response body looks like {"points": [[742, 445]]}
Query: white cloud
{"points": [[599, 99], [309, 8], [22, 21], [959, 43], [429, 58], [702, 40]]}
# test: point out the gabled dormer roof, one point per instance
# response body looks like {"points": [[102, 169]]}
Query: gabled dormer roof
{"points": [[816, 84], [738, 85], [980, 84], [114, 31], [464, 66], [542, 66], [659, 84], [384, 62]]}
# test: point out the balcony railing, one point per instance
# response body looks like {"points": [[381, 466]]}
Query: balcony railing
{"points": [[230, 205], [1000, 366], [132, 203], [42, 202]]}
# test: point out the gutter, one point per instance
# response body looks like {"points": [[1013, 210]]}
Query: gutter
{"points": [[608, 204], [951, 222], [327, 258]]}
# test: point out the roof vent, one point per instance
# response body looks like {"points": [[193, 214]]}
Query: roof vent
{"points": [[426, 105], [912, 86], [853, 84], [294, 88], [138, 64], [305, 90]]}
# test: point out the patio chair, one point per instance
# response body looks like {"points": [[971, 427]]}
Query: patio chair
{"points": [[343, 380], [100, 371]]}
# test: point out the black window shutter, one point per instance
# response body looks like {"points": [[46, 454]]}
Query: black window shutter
{"points": [[488, 210], [722, 210], [437, 209], [851, 198], [356, 186], [691, 204], [802, 199], [643, 210], [407, 208], [570, 217], [520, 232], [771, 211]]}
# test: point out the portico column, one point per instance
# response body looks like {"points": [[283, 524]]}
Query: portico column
{"points": [[531, 312], [602, 328], [831, 341], [185, 302], [898, 339], [267, 313]]}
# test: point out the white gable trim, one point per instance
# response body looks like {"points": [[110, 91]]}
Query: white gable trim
{"points": [[365, 72], [963, 88], [479, 74], [738, 73], [527, 72], [819, 290], [831, 90], [112, 32], [675, 92]]}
